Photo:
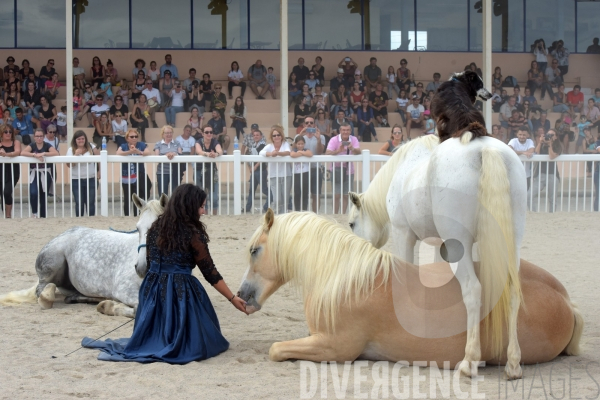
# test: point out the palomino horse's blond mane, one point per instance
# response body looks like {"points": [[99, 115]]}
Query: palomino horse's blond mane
{"points": [[338, 267], [373, 200]]}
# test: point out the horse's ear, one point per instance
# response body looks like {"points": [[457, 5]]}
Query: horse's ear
{"points": [[139, 203], [269, 219], [164, 199], [355, 199]]}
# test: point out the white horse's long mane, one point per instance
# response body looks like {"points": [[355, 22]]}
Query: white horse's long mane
{"points": [[373, 200], [328, 263]]}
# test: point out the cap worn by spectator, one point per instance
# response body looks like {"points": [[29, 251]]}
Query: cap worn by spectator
{"points": [[415, 96], [340, 70], [254, 127]]}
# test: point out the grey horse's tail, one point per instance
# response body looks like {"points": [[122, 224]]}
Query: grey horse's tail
{"points": [[20, 296]]}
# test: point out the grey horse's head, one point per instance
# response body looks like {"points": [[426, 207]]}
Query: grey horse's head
{"points": [[149, 212]]}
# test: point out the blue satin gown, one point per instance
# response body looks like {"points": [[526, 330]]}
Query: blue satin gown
{"points": [[175, 320]]}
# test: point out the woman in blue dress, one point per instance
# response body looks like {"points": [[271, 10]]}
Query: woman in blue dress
{"points": [[175, 320]]}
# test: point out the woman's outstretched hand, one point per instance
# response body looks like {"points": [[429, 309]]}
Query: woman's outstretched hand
{"points": [[239, 304]]}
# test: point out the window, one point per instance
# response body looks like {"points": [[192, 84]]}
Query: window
{"points": [[40, 24], [390, 24], [265, 22], [588, 24], [102, 25], [507, 26], [157, 24], [294, 25], [550, 20], [331, 25], [226, 30], [7, 24], [445, 22]]}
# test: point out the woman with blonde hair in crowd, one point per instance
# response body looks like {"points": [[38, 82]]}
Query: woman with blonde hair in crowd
{"points": [[133, 174], [83, 175], [280, 173], [165, 174]]}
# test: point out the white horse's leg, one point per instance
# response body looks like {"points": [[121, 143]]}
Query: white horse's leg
{"points": [[513, 367], [47, 296], [471, 293], [114, 308], [404, 240]]}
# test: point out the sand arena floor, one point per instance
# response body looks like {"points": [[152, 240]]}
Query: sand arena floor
{"points": [[567, 245]]}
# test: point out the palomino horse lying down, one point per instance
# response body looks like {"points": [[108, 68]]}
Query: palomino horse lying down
{"points": [[94, 266], [354, 293]]}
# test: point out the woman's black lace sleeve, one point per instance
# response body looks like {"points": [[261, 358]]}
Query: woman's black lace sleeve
{"points": [[204, 261]]}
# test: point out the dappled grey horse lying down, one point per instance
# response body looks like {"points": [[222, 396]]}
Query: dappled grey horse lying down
{"points": [[94, 266]]}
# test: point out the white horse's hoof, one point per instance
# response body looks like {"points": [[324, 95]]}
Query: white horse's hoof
{"points": [[513, 371], [467, 368], [46, 299]]}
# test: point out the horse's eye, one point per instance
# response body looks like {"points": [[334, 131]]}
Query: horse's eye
{"points": [[351, 225], [253, 251]]}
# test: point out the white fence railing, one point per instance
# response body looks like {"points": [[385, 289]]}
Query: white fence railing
{"points": [[233, 188]]}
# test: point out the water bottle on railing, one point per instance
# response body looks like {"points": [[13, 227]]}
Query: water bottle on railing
{"points": [[104, 143], [236, 144]]}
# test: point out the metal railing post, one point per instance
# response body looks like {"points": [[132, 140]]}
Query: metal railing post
{"points": [[104, 183], [237, 182], [366, 169]]}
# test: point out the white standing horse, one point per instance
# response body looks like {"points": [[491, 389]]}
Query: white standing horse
{"points": [[94, 266], [472, 189]]}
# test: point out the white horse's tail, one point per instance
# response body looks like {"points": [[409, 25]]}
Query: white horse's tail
{"points": [[572, 348], [498, 271], [20, 296]]}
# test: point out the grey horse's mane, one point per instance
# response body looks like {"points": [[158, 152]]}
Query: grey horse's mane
{"points": [[154, 206]]}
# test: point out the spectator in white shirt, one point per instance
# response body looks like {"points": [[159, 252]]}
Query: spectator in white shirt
{"points": [[78, 74], [153, 96], [99, 108], [235, 77], [119, 127], [415, 115], [522, 145]]}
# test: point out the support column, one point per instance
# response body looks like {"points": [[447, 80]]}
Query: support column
{"points": [[283, 48], [487, 60], [69, 65]]}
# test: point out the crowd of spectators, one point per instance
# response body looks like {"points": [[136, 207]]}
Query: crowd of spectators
{"points": [[330, 117]]}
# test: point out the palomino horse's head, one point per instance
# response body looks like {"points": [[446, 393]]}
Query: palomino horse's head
{"points": [[366, 223], [149, 212], [262, 278]]}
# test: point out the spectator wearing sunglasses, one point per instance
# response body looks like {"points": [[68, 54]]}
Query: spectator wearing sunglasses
{"points": [[120, 107], [47, 71], [133, 174], [11, 66]]}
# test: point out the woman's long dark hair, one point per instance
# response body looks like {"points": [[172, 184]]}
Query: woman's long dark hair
{"points": [[238, 109], [180, 220], [454, 113]]}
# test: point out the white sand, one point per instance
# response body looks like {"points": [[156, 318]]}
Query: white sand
{"points": [[565, 244]]}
